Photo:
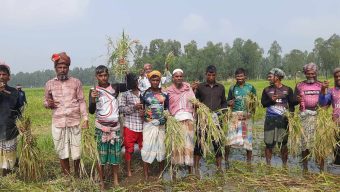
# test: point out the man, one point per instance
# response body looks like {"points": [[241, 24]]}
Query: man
{"points": [[144, 82], [182, 109], [64, 96], [240, 129], [277, 98], [132, 109], [103, 102], [22, 95], [212, 94], [154, 102], [332, 97], [9, 112], [307, 94]]}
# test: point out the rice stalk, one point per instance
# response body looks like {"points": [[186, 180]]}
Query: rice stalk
{"points": [[295, 132], [208, 128], [325, 135], [251, 103], [169, 59], [30, 161]]}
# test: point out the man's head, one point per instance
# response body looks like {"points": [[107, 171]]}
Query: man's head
{"points": [[5, 73], [102, 75], [210, 74], [147, 68], [240, 76], [177, 77], [18, 87], [275, 75], [62, 64], [310, 71], [132, 81], [154, 78], [336, 74]]}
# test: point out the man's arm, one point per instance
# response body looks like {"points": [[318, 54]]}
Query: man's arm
{"points": [[266, 101], [81, 101]]}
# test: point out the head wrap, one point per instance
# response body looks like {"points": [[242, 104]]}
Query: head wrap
{"points": [[154, 73], [310, 66], [277, 72], [2, 63], [18, 87], [177, 70], [336, 70], [59, 58]]}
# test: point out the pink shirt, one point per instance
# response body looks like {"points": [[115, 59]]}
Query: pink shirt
{"points": [[179, 99], [69, 100], [310, 94]]}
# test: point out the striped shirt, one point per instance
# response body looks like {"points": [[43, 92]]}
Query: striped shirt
{"points": [[133, 120], [69, 99]]}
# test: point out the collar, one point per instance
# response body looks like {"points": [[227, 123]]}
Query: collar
{"points": [[208, 85]]}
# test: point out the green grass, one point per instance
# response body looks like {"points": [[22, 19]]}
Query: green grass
{"points": [[239, 178]]}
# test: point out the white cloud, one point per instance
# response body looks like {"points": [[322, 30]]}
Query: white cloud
{"points": [[37, 12], [322, 26], [194, 23]]}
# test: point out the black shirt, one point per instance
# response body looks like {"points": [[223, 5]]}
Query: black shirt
{"points": [[9, 112], [213, 97]]}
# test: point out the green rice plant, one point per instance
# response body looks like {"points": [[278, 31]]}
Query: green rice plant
{"points": [[325, 135], [295, 132], [119, 54], [30, 161], [207, 127]]}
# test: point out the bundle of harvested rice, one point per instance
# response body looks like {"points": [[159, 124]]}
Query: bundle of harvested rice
{"points": [[169, 59], [119, 54], [325, 135], [295, 132], [30, 161], [208, 128], [251, 103], [89, 152]]}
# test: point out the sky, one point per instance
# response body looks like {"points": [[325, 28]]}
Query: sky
{"points": [[32, 30]]}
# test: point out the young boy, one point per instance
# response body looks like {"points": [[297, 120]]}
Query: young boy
{"points": [[155, 102]]}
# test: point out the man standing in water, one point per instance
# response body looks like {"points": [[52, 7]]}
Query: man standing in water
{"points": [[64, 96], [277, 98]]}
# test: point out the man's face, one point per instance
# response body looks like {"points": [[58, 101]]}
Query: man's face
{"points": [[154, 81], [177, 79], [4, 77], [310, 76], [271, 79], [210, 77], [240, 78], [62, 71], [337, 79], [148, 69], [103, 78]]}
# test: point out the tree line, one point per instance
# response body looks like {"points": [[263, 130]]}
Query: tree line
{"points": [[193, 60]]}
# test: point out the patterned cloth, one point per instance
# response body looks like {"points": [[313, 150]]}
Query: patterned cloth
{"points": [[185, 157], [67, 140], [109, 152], [332, 98], [240, 133], [239, 94], [69, 99], [153, 143], [155, 104], [8, 153], [179, 99], [308, 121], [132, 118]]}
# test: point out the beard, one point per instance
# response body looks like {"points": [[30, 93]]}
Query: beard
{"points": [[310, 81], [62, 77]]}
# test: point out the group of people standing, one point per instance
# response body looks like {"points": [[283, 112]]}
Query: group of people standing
{"points": [[134, 112]]}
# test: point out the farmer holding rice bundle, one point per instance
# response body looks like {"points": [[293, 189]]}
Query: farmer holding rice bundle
{"points": [[144, 83], [332, 97], [307, 95], [277, 98], [212, 94], [132, 109], [64, 96], [240, 129], [155, 102], [182, 109], [9, 112], [104, 103]]}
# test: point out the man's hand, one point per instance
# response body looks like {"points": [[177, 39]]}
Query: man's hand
{"points": [[275, 97], [2, 86], [324, 87], [231, 103], [299, 98], [51, 104], [194, 85], [94, 95], [138, 106], [85, 124]]}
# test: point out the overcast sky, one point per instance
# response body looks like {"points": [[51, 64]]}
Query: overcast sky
{"points": [[31, 30]]}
